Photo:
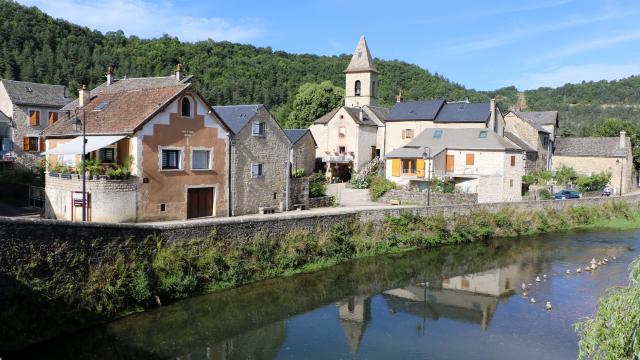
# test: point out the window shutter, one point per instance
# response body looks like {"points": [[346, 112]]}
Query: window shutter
{"points": [[53, 117], [470, 159], [513, 160], [34, 118], [43, 144], [25, 144], [420, 168], [395, 167]]}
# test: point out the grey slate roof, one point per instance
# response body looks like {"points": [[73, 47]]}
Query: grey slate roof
{"points": [[29, 93], [459, 139], [131, 84], [519, 142], [237, 116], [373, 116], [361, 59], [296, 134], [324, 119], [464, 112], [415, 110], [379, 113], [592, 146], [4, 118], [539, 117]]}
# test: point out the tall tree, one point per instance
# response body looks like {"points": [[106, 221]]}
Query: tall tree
{"points": [[312, 101], [612, 127]]}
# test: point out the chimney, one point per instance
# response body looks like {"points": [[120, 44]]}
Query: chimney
{"points": [[492, 118], [109, 75], [623, 143], [399, 97], [178, 72], [84, 97], [361, 116]]}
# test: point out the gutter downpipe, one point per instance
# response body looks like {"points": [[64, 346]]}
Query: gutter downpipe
{"points": [[288, 181], [230, 147]]}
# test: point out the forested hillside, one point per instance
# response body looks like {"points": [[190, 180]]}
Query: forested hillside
{"points": [[36, 47]]}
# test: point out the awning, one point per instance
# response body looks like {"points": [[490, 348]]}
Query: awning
{"points": [[93, 143]]}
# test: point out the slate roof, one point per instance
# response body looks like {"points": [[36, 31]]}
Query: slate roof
{"points": [[539, 117], [130, 84], [519, 142], [372, 116], [379, 113], [124, 112], [464, 112], [295, 135], [459, 139], [237, 116], [4, 118], [361, 59], [415, 110], [592, 146], [324, 119], [29, 93]]}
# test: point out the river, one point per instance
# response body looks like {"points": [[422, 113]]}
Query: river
{"points": [[462, 302]]}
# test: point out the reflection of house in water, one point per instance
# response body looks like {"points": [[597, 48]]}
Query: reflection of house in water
{"points": [[355, 314], [471, 298], [263, 343]]}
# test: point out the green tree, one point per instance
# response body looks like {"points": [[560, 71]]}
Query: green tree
{"points": [[312, 101], [611, 127]]}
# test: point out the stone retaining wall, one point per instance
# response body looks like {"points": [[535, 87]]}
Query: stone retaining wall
{"points": [[319, 202], [420, 198]]}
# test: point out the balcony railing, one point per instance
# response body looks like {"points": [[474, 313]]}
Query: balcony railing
{"points": [[341, 158], [7, 156]]}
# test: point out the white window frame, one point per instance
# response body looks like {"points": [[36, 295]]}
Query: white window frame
{"points": [[261, 168], [261, 125], [210, 150], [180, 157]]}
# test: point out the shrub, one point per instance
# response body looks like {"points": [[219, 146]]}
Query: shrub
{"points": [[317, 185], [379, 186], [595, 182], [545, 194], [564, 175]]}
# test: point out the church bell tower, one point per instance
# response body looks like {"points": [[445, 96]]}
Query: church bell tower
{"points": [[361, 86]]}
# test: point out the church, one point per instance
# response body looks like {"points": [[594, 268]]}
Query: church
{"points": [[351, 136]]}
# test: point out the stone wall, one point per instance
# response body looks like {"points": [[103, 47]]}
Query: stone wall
{"points": [[304, 154], [298, 192], [420, 198], [323, 201]]}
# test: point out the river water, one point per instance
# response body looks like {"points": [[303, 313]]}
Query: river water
{"points": [[462, 302]]}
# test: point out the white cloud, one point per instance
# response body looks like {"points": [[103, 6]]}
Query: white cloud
{"points": [[590, 45], [574, 74], [146, 19]]}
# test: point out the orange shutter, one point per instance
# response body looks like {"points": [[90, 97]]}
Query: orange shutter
{"points": [[53, 117], [395, 167], [450, 163], [420, 168], [34, 118], [470, 159], [25, 144], [513, 160], [43, 144]]}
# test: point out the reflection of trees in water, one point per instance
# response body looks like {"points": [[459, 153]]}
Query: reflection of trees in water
{"points": [[195, 323]]}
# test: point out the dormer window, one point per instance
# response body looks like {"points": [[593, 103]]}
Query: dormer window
{"points": [[186, 107], [358, 87]]}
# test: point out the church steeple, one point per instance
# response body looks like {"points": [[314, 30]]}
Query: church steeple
{"points": [[361, 77]]}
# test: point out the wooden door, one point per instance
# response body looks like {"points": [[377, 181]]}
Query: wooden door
{"points": [[373, 152], [450, 163], [199, 202]]}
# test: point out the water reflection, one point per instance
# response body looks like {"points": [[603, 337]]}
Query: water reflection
{"points": [[365, 307]]}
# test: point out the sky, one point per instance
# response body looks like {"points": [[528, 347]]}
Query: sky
{"points": [[484, 45]]}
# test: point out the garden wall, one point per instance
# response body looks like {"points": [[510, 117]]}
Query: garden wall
{"points": [[420, 198]]}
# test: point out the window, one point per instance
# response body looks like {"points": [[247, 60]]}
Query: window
{"points": [[163, 207], [101, 106], [257, 170], [30, 143], [408, 166], [437, 134], [257, 129], [53, 117], [34, 117], [357, 88], [107, 155], [513, 160], [342, 149], [407, 133], [511, 183], [483, 134], [342, 132], [186, 107], [200, 160], [470, 159], [170, 159]]}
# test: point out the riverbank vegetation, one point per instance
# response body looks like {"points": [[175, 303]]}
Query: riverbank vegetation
{"points": [[121, 276], [614, 331]]}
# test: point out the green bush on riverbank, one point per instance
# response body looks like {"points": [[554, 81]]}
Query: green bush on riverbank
{"points": [[614, 331], [137, 274]]}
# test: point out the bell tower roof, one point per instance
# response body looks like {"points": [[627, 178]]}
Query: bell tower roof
{"points": [[361, 60]]}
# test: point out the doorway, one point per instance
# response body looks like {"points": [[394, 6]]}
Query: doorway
{"points": [[199, 202]]}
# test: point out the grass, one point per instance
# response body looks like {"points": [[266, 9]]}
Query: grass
{"points": [[620, 223]]}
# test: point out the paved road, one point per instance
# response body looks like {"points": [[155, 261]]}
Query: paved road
{"points": [[347, 197], [13, 210]]}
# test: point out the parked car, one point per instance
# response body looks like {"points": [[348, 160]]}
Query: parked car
{"points": [[567, 194]]}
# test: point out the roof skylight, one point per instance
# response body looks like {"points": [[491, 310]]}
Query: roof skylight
{"points": [[101, 106]]}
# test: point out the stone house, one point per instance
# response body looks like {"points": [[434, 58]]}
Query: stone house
{"points": [[304, 150], [26, 109], [592, 155], [535, 132], [478, 161], [260, 171], [350, 136], [406, 120], [177, 145]]}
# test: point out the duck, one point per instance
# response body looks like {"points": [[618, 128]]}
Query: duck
{"points": [[523, 286], [593, 260], [548, 305], [544, 276], [524, 293], [532, 300], [568, 272], [538, 279], [605, 260], [614, 258], [588, 268], [579, 270]]}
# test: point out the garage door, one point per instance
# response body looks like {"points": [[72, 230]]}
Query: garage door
{"points": [[199, 202]]}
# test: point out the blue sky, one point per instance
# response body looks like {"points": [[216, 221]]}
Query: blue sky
{"points": [[480, 44]]}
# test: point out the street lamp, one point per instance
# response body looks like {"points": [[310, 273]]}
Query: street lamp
{"points": [[76, 126], [426, 156]]}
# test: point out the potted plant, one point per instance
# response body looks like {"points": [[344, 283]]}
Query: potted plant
{"points": [[115, 173], [94, 167]]}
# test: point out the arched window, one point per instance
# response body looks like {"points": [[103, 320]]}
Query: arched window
{"points": [[357, 88], [186, 107]]}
